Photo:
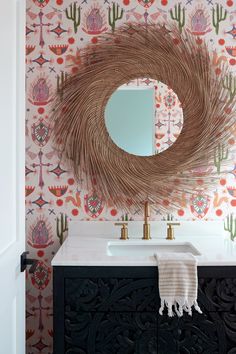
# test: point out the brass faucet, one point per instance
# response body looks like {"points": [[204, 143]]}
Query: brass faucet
{"points": [[170, 230], [124, 230], [146, 225]]}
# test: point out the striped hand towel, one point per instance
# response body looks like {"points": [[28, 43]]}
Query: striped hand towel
{"points": [[177, 283]]}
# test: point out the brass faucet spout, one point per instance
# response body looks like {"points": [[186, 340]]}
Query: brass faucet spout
{"points": [[146, 225], [146, 212]]}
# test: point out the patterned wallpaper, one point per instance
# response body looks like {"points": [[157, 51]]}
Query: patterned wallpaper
{"points": [[55, 32]]}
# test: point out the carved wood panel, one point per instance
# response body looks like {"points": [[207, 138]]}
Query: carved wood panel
{"points": [[168, 334], [201, 334], [209, 333], [114, 294], [129, 332], [218, 294], [229, 323], [111, 294], [110, 333]]}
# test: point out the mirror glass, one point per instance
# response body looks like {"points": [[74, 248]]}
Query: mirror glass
{"points": [[144, 117]]}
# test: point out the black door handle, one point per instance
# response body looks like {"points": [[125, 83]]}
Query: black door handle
{"points": [[24, 261]]}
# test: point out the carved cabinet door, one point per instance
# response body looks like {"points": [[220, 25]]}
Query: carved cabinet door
{"points": [[214, 331], [111, 333], [111, 316], [207, 333], [201, 333]]}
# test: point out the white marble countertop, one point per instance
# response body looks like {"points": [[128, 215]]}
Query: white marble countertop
{"points": [[89, 245]]}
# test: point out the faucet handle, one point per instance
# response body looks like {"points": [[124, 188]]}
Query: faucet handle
{"points": [[170, 230], [124, 230]]}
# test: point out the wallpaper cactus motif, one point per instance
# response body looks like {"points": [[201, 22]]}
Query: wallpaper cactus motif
{"points": [[56, 30]]}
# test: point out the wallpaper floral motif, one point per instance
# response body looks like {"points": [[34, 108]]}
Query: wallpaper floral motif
{"points": [[55, 32]]}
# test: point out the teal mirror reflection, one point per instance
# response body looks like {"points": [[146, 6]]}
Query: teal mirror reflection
{"points": [[144, 117], [130, 119]]}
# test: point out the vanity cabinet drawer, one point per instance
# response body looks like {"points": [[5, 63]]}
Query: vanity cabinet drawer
{"points": [[110, 332], [217, 294], [118, 294], [111, 294]]}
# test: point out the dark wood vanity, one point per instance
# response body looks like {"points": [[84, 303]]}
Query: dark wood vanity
{"points": [[114, 310]]}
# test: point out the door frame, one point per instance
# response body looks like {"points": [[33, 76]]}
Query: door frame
{"points": [[20, 155]]}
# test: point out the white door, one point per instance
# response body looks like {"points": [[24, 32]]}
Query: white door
{"points": [[12, 233]]}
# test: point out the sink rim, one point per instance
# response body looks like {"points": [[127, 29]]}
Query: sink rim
{"points": [[140, 242]]}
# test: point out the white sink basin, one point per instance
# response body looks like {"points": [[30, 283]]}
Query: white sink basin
{"points": [[143, 248]]}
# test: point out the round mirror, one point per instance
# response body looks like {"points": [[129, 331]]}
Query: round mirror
{"points": [[144, 117]]}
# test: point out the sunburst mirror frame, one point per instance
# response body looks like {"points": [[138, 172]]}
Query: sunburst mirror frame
{"points": [[135, 51]]}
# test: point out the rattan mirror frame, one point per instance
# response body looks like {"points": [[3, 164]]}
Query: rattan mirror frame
{"points": [[151, 51]]}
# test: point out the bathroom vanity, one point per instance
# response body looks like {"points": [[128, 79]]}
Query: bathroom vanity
{"points": [[106, 300]]}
